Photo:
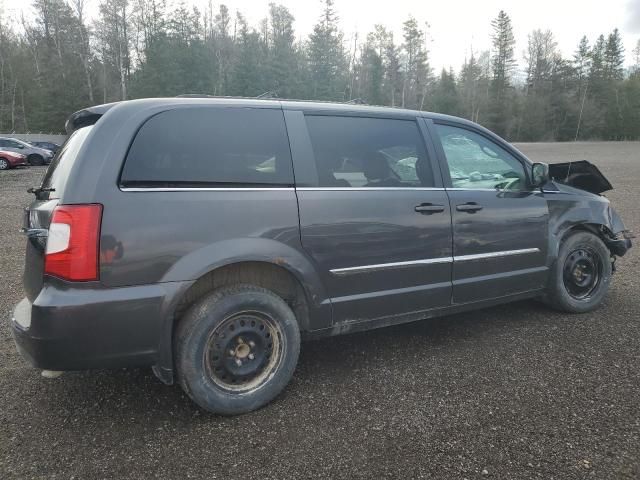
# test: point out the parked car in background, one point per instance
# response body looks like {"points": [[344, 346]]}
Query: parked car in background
{"points": [[205, 237], [35, 155], [54, 147], [11, 160]]}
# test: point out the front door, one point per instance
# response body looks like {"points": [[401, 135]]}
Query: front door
{"points": [[373, 213], [499, 222]]}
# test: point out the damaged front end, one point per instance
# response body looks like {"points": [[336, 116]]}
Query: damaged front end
{"points": [[581, 174], [589, 210]]}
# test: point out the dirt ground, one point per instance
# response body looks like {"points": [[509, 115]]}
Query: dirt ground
{"points": [[517, 391]]}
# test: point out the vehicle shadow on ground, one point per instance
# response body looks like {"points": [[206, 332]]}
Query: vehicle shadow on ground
{"points": [[133, 395]]}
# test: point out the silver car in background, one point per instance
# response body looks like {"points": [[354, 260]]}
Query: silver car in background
{"points": [[35, 155]]}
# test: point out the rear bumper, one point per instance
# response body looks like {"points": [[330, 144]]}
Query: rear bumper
{"points": [[82, 328]]}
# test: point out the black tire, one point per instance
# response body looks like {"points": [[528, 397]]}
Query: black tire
{"points": [[4, 164], [581, 275], [35, 159], [240, 323]]}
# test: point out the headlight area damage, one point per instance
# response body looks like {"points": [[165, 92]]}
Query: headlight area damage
{"points": [[618, 238], [585, 176]]}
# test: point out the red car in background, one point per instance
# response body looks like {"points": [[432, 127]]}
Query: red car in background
{"points": [[12, 159]]}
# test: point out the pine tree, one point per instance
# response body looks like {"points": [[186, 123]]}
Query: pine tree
{"points": [[326, 57], [282, 56], [503, 64], [469, 82], [369, 72], [537, 115], [446, 98], [613, 58], [393, 75], [247, 71], [417, 72], [582, 61]]}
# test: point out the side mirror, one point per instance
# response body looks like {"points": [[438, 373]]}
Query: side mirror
{"points": [[539, 174]]}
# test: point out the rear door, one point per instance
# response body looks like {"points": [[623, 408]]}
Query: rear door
{"points": [[373, 214], [38, 216], [499, 223]]}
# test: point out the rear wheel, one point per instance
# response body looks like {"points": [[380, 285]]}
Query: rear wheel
{"points": [[236, 349], [582, 274], [35, 159], [4, 164]]}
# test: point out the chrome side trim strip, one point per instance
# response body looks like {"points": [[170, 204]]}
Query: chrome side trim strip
{"points": [[385, 266], [505, 253], [431, 261], [496, 190], [308, 189], [206, 189], [348, 189]]}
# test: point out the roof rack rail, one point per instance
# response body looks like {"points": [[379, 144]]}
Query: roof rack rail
{"points": [[195, 95], [269, 94], [356, 101]]}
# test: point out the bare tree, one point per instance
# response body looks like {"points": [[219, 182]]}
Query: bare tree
{"points": [[82, 47]]}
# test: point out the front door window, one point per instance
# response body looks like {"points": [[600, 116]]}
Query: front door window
{"points": [[477, 163]]}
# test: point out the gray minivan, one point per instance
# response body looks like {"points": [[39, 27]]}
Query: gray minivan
{"points": [[204, 237]]}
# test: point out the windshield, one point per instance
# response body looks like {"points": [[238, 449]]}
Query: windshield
{"points": [[58, 172]]}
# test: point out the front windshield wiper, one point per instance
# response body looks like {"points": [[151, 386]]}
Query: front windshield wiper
{"points": [[38, 190]]}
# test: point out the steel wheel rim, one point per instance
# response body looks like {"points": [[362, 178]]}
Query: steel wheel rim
{"points": [[582, 273], [244, 351]]}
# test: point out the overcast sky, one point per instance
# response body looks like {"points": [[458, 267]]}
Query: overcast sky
{"points": [[454, 25]]}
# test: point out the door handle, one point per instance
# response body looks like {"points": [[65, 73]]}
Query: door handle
{"points": [[469, 207], [429, 208]]}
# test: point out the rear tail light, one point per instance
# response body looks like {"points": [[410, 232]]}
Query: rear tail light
{"points": [[73, 243]]}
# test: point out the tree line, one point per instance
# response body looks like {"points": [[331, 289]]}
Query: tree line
{"points": [[59, 61]]}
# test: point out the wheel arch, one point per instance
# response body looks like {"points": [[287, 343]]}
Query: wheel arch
{"points": [[582, 213], [602, 231], [263, 262]]}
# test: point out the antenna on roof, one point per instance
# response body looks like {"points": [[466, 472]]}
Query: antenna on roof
{"points": [[269, 94], [356, 101]]}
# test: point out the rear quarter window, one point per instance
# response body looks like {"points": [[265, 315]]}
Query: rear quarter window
{"points": [[210, 147], [58, 172]]}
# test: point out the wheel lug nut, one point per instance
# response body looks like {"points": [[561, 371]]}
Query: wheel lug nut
{"points": [[252, 343], [232, 352], [251, 356], [238, 362], [240, 340]]}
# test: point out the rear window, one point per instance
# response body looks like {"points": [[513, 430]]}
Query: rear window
{"points": [[368, 152], [58, 171], [216, 147]]}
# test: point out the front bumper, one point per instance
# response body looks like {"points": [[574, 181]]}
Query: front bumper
{"points": [[620, 244], [82, 328]]}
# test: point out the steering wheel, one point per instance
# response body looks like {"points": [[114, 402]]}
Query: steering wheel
{"points": [[508, 184]]}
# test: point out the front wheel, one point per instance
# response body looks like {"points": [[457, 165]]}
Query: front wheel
{"points": [[581, 275], [236, 349]]}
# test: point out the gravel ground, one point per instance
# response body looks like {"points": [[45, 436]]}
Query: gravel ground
{"points": [[517, 391]]}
